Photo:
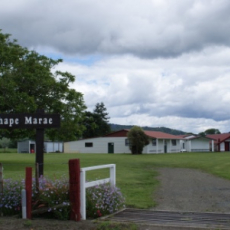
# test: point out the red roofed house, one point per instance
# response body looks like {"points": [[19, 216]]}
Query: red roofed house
{"points": [[222, 141], [117, 142]]}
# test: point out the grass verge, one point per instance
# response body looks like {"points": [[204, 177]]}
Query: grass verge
{"points": [[116, 226], [136, 174]]}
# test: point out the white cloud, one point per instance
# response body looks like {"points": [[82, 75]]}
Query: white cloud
{"points": [[143, 28], [152, 62], [187, 88]]}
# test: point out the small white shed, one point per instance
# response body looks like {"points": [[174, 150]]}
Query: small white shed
{"points": [[26, 146], [29, 146], [195, 143]]}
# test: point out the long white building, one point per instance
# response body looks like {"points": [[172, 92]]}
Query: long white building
{"points": [[117, 142]]}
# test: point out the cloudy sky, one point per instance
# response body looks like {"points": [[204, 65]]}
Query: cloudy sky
{"points": [[152, 62]]}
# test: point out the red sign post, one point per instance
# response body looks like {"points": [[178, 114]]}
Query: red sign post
{"points": [[74, 189]]}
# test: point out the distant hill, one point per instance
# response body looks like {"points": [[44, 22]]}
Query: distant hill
{"points": [[115, 127]]}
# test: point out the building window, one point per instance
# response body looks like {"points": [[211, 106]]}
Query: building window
{"points": [[88, 144], [154, 142], [173, 142], [126, 142]]}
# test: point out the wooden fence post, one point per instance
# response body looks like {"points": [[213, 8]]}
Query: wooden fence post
{"points": [[74, 189], [36, 177], [28, 186]]}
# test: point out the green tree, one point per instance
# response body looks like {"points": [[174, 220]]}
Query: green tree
{"points": [[210, 131], [100, 109], [102, 119], [28, 83], [137, 140], [96, 123], [5, 142], [90, 124], [13, 144]]}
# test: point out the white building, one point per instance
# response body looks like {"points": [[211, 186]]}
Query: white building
{"points": [[29, 146], [117, 142], [194, 143]]}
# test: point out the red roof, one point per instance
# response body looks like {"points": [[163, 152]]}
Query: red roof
{"points": [[153, 134], [120, 133], [219, 137], [161, 135]]}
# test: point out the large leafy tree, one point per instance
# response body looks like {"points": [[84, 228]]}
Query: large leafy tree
{"points": [[96, 123], [137, 140], [28, 82]]}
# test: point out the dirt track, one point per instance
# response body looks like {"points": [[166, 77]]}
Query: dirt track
{"points": [[192, 190]]}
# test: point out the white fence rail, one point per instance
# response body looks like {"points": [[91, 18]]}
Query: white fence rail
{"points": [[85, 184]]}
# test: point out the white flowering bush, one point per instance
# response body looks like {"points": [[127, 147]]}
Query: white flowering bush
{"points": [[53, 196], [103, 200]]}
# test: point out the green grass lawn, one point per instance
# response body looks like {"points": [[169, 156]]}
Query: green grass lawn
{"points": [[7, 150], [136, 174]]}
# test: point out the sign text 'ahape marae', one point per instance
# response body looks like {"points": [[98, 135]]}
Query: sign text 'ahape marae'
{"points": [[26, 121], [39, 121]]}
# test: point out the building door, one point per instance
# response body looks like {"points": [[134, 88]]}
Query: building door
{"points": [[32, 148], [165, 146], [227, 146], [110, 147]]}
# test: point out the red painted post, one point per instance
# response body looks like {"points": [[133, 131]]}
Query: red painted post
{"points": [[74, 189], [28, 186]]}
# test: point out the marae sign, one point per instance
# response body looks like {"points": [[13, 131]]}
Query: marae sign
{"points": [[39, 121], [26, 121]]}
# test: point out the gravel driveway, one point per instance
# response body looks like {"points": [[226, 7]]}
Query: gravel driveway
{"points": [[192, 190]]}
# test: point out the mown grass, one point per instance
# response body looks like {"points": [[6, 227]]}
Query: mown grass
{"points": [[136, 174], [7, 150]]}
